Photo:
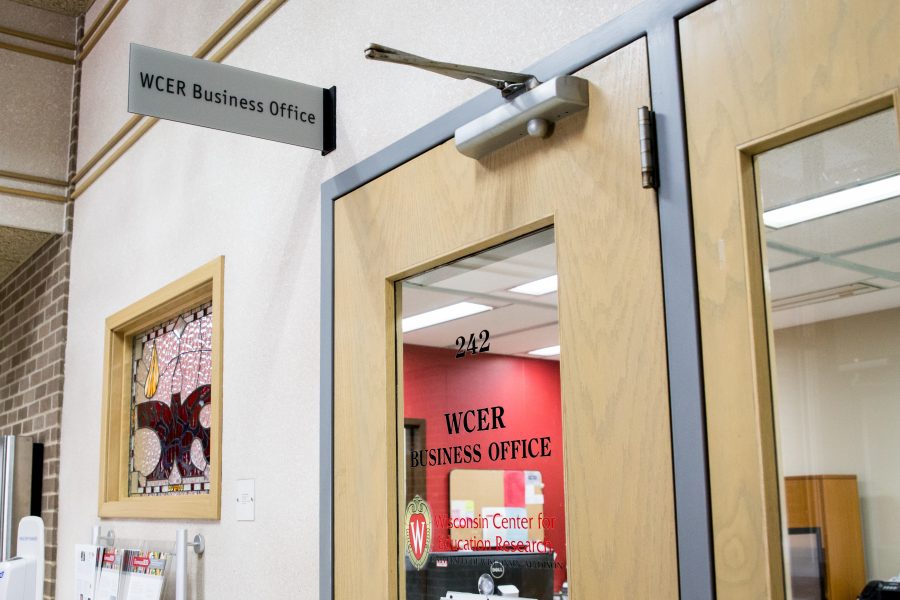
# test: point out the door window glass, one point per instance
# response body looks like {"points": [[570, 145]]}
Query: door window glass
{"points": [[831, 217], [482, 486]]}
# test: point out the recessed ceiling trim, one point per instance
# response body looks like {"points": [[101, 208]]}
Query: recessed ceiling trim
{"points": [[834, 293], [793, 265], [482, 296], [845, 252], [869, 246], [836, 261]]}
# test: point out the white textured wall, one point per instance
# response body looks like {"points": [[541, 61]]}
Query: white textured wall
{"points": [[838, 394], [173, 25], [183, 195]]}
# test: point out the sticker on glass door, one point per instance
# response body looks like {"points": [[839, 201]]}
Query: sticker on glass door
{"points": [[483, 487]]}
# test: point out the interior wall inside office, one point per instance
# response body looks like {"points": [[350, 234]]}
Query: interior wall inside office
{"points": [[182, 195], [838, 397], [527, 390]]}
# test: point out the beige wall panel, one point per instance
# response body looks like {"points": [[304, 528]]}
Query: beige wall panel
{"points": [[171, 25], [15, 15], [752, 68], [28, 213], [619, 497], [35, 101]]}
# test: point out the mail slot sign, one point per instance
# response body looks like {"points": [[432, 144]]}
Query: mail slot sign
{"points": [[198, 92]]}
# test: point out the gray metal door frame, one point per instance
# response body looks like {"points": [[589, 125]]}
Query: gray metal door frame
{"points": [[657, 22]]}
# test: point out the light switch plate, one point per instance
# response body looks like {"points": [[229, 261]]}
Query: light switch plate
{"points": [[246, 499]]}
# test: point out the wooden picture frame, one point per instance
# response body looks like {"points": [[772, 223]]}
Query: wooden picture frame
{"points": [[200, 286]]}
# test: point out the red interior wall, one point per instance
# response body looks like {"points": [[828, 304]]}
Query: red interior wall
{"points": [[435, 382]]}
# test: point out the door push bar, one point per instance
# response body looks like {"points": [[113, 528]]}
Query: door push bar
{"points": [[531, 108]]}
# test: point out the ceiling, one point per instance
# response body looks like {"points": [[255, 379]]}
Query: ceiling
{"points": [[843, 264], [73, 8], [16, 245], [517, 323]]}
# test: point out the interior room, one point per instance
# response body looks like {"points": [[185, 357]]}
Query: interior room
{"points": [[831, 218], [502, 355]]}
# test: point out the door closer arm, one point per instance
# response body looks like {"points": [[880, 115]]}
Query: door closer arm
{"points": [[507, 82], [531, 108]]}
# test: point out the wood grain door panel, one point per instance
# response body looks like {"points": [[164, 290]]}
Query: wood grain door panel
{"points": [[585, 181]]}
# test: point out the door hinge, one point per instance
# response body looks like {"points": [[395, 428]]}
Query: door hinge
{"points": [[647, 132]]}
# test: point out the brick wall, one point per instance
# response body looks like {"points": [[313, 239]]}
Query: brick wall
{"points": [[33, 316]]}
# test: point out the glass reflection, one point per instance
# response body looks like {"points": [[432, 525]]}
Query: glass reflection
{"points": [[482, 441], [832, 233]]}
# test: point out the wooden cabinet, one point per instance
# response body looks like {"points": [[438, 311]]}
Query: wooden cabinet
{"points": [[831, 503]]}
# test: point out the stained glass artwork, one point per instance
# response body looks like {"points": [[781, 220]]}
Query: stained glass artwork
{"points": [[171, 408]]}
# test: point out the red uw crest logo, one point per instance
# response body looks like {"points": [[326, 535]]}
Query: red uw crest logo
{"points": [[418, 532]]}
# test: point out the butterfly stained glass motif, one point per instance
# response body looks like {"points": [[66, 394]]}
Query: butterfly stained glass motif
{"points": [[171, 407]]}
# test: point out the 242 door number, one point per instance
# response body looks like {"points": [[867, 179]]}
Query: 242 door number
{"points": [[474, 346]]}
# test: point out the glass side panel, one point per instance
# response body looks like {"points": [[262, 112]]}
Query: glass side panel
{"points": [[171, 406], [482, 442], [831, 217]]}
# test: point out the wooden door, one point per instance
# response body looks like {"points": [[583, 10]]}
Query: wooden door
{"points": [[584, 181], [759, 74]]}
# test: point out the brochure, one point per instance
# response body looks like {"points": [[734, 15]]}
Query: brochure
{"points": [[87, 559], [119, 574], [144, 574], [109, 574]]}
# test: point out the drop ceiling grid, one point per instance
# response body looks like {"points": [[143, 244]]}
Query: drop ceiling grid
{"points": [[866, 240], [844, 231], [518, 323], [862, 150]]}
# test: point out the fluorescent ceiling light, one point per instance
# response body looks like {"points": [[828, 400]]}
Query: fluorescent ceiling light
{"points": [[829, 204], [442, 315], [548, 351], [537, 288]]}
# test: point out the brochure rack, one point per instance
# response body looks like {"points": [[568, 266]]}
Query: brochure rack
{"points": [[181, 545]]}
